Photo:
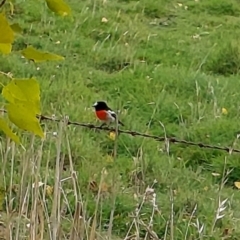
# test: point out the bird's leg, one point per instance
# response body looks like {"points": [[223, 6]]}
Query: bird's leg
{"points": [[97, 129], [102, 124]]}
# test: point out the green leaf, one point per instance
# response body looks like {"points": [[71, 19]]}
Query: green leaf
{"points": [[59, 7], [23, 96], [23, 117], [6, 36], [38, 56], [25, 91], [5, 48], [16, 28], [5, 128]]}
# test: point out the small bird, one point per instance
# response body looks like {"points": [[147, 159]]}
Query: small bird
{"points": [[105, 113]]}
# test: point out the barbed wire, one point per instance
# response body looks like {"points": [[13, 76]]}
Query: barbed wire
{"points": [[135, 133]]}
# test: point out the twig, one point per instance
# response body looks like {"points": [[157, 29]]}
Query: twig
{"points": [[171, 215], [2, 3], [56, 196], [9, 74]]}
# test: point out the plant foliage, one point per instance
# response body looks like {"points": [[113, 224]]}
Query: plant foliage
{"points": [[23, 95]]}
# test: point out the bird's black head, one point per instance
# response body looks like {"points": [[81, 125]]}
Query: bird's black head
{"points": [[100, 105]]}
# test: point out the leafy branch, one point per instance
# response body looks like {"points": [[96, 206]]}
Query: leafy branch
{"points": [[23, 95]]}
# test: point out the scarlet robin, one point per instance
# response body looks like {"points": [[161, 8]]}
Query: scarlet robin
{"points": [[105, 113]]}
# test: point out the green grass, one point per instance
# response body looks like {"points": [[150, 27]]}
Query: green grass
{"points": [[159, 62]]}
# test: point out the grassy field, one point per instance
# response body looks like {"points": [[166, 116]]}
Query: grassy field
{"points": [[169, 67]]}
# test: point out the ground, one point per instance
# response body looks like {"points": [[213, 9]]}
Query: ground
{"points": [[168, 67]]}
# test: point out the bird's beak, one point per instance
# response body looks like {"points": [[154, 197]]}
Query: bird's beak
{"points": [[95, 104]]}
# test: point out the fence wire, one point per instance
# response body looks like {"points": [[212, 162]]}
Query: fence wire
{"points": [[139, 134]]}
